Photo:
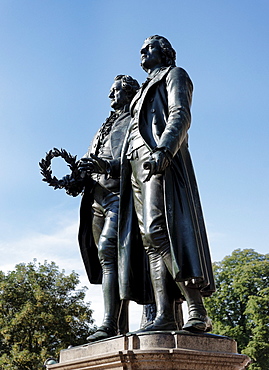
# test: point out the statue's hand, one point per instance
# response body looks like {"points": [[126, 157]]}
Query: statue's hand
{"points": [[159, 161], [85, 166], [66, 181], [151, 167], [94, 165], [72, 187]]}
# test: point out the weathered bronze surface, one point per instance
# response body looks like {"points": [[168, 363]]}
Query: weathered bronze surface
{"points": [[141, 206], [99, 208], [159, 189]]}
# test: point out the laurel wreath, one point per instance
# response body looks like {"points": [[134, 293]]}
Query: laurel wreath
{"points": [[46, 171]]}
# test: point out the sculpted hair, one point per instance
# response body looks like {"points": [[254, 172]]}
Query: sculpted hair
{"points": [[169, 53], [129, 84]]}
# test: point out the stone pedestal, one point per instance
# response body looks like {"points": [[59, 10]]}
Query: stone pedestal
{"points": [[156, 350]]}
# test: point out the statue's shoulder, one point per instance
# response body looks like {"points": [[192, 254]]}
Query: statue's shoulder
{"points": [[178, 71], [179, 74]]}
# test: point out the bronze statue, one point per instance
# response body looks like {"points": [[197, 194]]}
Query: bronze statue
{"points": [[164, 187], [158, 182], [99, 209], [141, 204]]}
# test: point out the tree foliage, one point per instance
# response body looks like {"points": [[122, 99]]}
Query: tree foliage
{"points": [[41, 313], [240, 307]]}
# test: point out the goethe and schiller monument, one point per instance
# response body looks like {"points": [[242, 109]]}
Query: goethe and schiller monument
{"points": [[142, 233]]}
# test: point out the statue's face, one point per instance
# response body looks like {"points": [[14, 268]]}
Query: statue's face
{"points": [[151, 54], [117, 96]]}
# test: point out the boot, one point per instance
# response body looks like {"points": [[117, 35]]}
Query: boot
{"points": [[112, 305], [198, 320], [164, 319], [148, 314]]}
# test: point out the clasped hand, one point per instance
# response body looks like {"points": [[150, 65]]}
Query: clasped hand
{"points": [[93, 165], [159, 161]]}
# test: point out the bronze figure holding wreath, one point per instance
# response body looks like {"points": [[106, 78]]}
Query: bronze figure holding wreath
{"points": [[99, 209]]}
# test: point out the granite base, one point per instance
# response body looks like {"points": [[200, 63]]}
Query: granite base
{"points": [[156, 350]]}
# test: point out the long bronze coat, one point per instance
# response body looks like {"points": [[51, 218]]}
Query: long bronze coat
{"points": [[87, 245], [164, 103]]}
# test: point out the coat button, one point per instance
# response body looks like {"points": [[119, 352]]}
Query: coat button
{"points": [[153, 110]]}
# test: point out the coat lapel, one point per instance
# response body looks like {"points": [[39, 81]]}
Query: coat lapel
{"points": [[143, 92], [118, 133]]}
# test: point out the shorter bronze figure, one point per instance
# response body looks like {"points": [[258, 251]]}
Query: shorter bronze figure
{"points": [[98, 232], [99, 209]]}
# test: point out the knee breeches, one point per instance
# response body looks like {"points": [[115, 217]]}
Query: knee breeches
{"points": [[105, 226], [149, 203]]}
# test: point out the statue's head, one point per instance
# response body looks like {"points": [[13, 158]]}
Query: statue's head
{"points": [[157, 51], [122, 91]]}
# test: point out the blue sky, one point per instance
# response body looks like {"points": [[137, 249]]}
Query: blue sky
{"points": [[58, 60]]}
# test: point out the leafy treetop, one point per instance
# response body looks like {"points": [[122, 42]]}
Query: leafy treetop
{"points": [[240, 307], [41, 312]]}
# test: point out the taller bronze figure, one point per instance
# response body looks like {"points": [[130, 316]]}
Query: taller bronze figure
{"points": [[158, 182]]}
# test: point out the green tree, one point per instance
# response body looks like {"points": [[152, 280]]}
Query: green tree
{"points": [[240, 307], [41, 312]]}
